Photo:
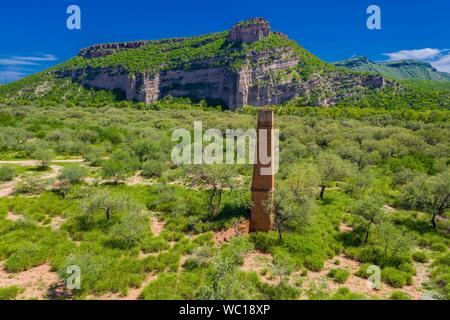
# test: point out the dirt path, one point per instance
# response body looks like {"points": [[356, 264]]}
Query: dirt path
{"points": [[29, 163], [34, 281], [7, 189], [157, 226]]}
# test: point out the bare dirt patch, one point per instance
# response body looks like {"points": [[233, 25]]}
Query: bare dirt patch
{"points": [[7, 188], [35, 281], [138, 179], [359, 285], [157, 226], [387, 208], [29, 162], [261, 263], [13, 217], [345, 228], [57, 222]]}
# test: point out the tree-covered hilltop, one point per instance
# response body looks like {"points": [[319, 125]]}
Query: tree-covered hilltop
{"points": [[220, 70], [235, 68], [400, 70]]}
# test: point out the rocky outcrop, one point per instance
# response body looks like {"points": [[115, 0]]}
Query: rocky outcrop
{"points": [[264, 77], [249, 31], [101, 50]]}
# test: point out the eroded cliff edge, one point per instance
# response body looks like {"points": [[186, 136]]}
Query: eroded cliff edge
{"points": [[252, 66]]}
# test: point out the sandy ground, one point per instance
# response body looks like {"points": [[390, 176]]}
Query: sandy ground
{"points": [[259, 261], [345, 228], [57, 222], [7, 189], [262, 263], [387, 208], [34, 281], [29, 163], [359, 285], [13, 217], [138, 179], [157, 226]]}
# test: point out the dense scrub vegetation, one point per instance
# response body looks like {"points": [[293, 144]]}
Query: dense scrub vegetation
{"points": [[340, 166]]}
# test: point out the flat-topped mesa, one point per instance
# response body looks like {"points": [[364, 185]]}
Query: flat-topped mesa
{"points": [[249, 31]]}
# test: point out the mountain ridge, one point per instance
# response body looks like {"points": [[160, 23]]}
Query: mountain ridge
{"points": [[246, 65], [397, 69]]}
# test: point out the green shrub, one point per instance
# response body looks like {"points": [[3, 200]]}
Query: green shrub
{"points": [[154, 244], [29, 185], [73, 174], [339, 275], [6, 173], [9, 293], [439, 247], [163, 288], [362, 271], [420, 256], [314, 263], [152, 168], [398, 295], [394, 277], [346, 294], [25, 258]]}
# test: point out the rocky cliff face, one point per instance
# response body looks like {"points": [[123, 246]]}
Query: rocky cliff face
{"points": [[263, 77]]}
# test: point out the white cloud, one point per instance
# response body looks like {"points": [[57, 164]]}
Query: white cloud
{"points": [[7, 76], [442, 64], [416, 54], [15, 62], [44, 57], [438, 58], [27, 60]]}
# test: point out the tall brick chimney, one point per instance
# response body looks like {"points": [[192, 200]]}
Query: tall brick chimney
{"points": [[263, 183]]}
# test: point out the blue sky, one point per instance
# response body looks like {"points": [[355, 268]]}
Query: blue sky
{"points": [[34, 35]]}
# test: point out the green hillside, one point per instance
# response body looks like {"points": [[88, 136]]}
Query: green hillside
{"points": [[400, 70]]}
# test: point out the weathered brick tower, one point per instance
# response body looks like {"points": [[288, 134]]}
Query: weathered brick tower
{"points": [[263, 183]]}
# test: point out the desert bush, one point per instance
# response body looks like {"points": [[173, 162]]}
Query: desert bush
{"points": [[339, 275], [154, 244], [398, 295], [346, 294], [439, 247], [26, 257], [104, 271], [29, 185], [420, 256], [6, 173], [73, 174], [152, 168], [394, 277], [9, 293]]}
